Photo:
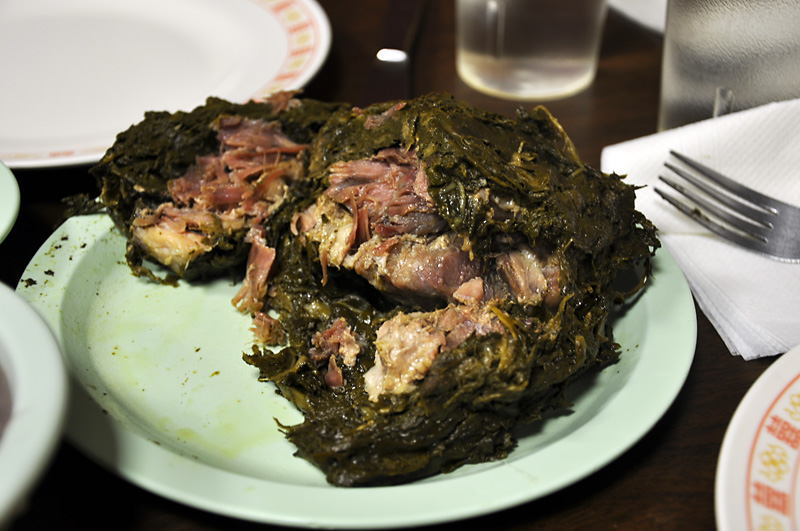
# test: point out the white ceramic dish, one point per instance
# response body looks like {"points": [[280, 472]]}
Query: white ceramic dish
{"points": [[85, 70], [166, 401], [9, 201], [759, 463], [31, 362]]}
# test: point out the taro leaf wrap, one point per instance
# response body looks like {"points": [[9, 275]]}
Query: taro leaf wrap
{"points": [[186, 187], [426, 322]]}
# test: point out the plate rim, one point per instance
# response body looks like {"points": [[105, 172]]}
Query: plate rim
{"points": [[44, 158], [741, 436], [517, 481], [9, 201]]}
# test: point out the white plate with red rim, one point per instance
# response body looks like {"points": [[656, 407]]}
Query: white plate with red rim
{"points": [[164, 399], [79, 72], [758, 472]]}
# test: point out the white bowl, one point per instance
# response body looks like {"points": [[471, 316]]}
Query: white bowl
{"points": [[33, 368]]}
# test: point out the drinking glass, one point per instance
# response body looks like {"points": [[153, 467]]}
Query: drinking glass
{"points": [[528, 49], [722, 56]]}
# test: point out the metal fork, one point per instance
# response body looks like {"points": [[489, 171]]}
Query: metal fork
{"points": [[737, 213]]}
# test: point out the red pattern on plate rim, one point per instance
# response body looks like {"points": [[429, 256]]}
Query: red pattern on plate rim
{"points": [[771, 483], [303, 32]]}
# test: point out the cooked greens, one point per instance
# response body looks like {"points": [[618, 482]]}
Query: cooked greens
{"points": [[542, 235], [424, 276], [137, 174]]}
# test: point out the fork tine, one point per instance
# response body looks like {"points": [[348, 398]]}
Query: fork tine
{"points": [[760, 215], [754, 197], [754, 230], [737, 213], [735, 237]]}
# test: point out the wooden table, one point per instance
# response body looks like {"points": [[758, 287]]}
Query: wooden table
{"points": [[666, 481]]}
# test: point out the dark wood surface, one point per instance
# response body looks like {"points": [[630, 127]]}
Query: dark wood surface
{"points": [[666, 481]]}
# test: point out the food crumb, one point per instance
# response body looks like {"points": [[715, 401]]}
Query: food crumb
{"points": [[215, 373]]}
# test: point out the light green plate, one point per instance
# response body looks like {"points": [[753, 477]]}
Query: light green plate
{"points": [[162, 397]]}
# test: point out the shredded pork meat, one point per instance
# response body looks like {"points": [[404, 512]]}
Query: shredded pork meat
{"points": [[237, 188], [387, 195], [532, 274], [408, 344], [335, 343], [378, 220], [337, 340], [251, 294], [415, 269]]}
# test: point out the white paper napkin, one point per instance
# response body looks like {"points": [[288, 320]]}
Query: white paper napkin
{"points": [[752, 301]]}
